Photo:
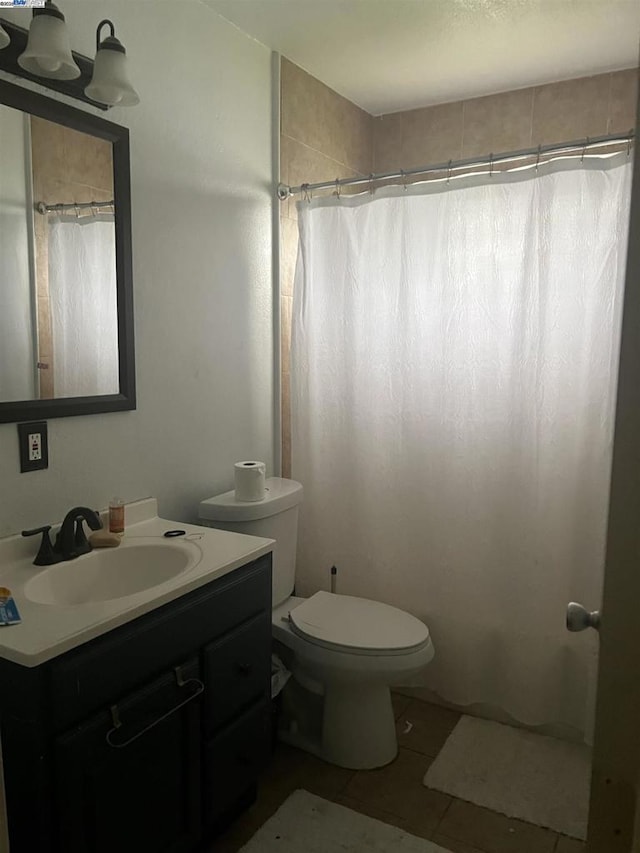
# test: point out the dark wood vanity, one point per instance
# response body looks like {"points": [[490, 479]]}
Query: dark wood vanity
{"points": [[148, 738]]}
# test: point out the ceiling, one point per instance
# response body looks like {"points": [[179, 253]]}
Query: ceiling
{"points": [[392, 55]]}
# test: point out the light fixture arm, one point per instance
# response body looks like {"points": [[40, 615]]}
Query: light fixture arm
{"points": [[111, 42], [112, 32]]}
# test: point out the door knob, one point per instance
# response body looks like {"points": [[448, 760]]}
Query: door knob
{"points": [[579, 618]]}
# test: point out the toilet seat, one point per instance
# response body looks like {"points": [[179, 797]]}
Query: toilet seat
{"points": [[357, 625]]}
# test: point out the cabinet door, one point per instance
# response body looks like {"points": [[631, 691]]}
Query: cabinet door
{"points": [[233, 761], [129, 779]]}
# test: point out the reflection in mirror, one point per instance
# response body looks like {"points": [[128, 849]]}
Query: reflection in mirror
{"points": [[66, 290], [59, 326]]}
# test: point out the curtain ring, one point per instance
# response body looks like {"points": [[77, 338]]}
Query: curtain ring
{"points": [[371, 187], [77, 209], [404, 179], [629, 138], [336, 192], [491, 165], [584, 148], [306, 194], [538, 157], [449, 170]]}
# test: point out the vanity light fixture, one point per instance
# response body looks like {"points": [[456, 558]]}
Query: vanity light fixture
{"points": [[43, 55], [48, 51], [110, 82]]}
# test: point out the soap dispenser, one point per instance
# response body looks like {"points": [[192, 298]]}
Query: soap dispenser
{"points": [[116, 516]]}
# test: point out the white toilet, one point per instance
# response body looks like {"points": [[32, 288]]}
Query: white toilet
{"points": [[344, 652]]}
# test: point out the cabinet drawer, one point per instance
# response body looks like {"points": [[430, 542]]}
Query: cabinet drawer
{"points": [[84, 680], [233, 760], [237, 672]]}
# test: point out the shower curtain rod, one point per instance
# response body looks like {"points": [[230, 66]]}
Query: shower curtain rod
{"points": [[579, 147], [43, 208]]}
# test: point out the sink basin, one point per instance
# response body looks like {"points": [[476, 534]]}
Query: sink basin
{"points": [[105, 574]]}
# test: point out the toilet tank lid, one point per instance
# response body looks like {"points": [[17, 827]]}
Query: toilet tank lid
{"points": [[280, 494]]}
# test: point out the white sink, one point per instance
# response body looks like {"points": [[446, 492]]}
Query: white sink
{"points": [[105, 574]]}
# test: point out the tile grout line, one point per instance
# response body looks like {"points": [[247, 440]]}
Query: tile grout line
{"points": [[326, 156], [534, 92], [442, 817], [341, 791]]}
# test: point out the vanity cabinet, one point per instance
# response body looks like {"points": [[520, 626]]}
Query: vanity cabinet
{"points": [[149, 737]]}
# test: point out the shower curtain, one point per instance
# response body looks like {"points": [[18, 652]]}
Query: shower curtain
{"points": [[454, 360], [83, 298]]}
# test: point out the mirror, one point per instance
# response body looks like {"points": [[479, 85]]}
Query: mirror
{"points": [[66, 305]]}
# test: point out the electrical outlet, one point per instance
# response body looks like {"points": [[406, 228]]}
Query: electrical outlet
{"points": [[35, 446], [34, 451]]}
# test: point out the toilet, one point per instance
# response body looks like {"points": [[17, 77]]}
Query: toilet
{"points": [[344, 652]]}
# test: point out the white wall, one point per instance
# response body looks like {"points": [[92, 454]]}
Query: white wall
{"points": [[201, 202]]}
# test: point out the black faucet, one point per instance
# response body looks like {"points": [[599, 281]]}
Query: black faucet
{"points": [[71, 541]]}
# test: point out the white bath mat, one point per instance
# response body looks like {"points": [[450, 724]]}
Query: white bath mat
{"points": [[518, 773], [308, 824]]}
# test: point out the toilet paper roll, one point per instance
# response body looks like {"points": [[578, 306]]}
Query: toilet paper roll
{"points": [[249, 480]]}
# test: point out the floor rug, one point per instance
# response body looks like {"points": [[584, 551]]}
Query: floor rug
{"points": [[518, 773], [308, 823]]}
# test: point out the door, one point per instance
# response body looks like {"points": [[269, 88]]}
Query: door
{"points": [[128, 779], [615, 787]]}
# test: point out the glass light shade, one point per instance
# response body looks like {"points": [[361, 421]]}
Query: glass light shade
{"points": [[4, 37], [110, 82], [48, 51]]}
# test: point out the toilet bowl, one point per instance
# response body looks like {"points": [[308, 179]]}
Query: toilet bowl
{"points": [[351, 651], [345, 652]]}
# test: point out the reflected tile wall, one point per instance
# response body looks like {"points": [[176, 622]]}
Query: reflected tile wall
{"points": [[324, 136]]}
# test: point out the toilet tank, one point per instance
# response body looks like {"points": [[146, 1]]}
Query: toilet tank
{"points": [[274, 517]]}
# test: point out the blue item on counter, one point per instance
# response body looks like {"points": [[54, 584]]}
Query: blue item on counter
{"points": [[8, 610]]}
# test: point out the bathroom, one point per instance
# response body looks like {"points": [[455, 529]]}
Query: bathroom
{"points": [[202, 146]]}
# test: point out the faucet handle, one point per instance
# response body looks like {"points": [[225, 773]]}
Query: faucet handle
{"points": [[46, 556]]}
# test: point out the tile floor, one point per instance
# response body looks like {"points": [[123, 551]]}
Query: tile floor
{"points": [[395, 794]]}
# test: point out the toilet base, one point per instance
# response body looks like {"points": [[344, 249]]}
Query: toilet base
{"points": [[356, 728]]}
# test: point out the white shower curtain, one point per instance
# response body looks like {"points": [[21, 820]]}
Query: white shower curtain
{"points": [[84, 312], [454, 361]]}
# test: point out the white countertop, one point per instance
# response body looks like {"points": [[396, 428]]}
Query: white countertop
{"points": [[48, 630]]}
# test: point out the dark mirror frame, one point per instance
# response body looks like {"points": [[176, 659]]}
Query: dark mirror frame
{"points": [[39, 105]]}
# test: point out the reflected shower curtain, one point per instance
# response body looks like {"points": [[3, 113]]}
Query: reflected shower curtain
{"points": [[84, 313], [454, 362]]}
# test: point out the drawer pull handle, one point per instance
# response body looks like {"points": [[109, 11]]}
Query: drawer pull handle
{"points": [[244, 669], [117, 723]]}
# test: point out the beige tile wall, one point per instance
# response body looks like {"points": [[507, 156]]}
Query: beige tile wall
{"points": [[68, 166], [324, 136], [557, 112]]}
